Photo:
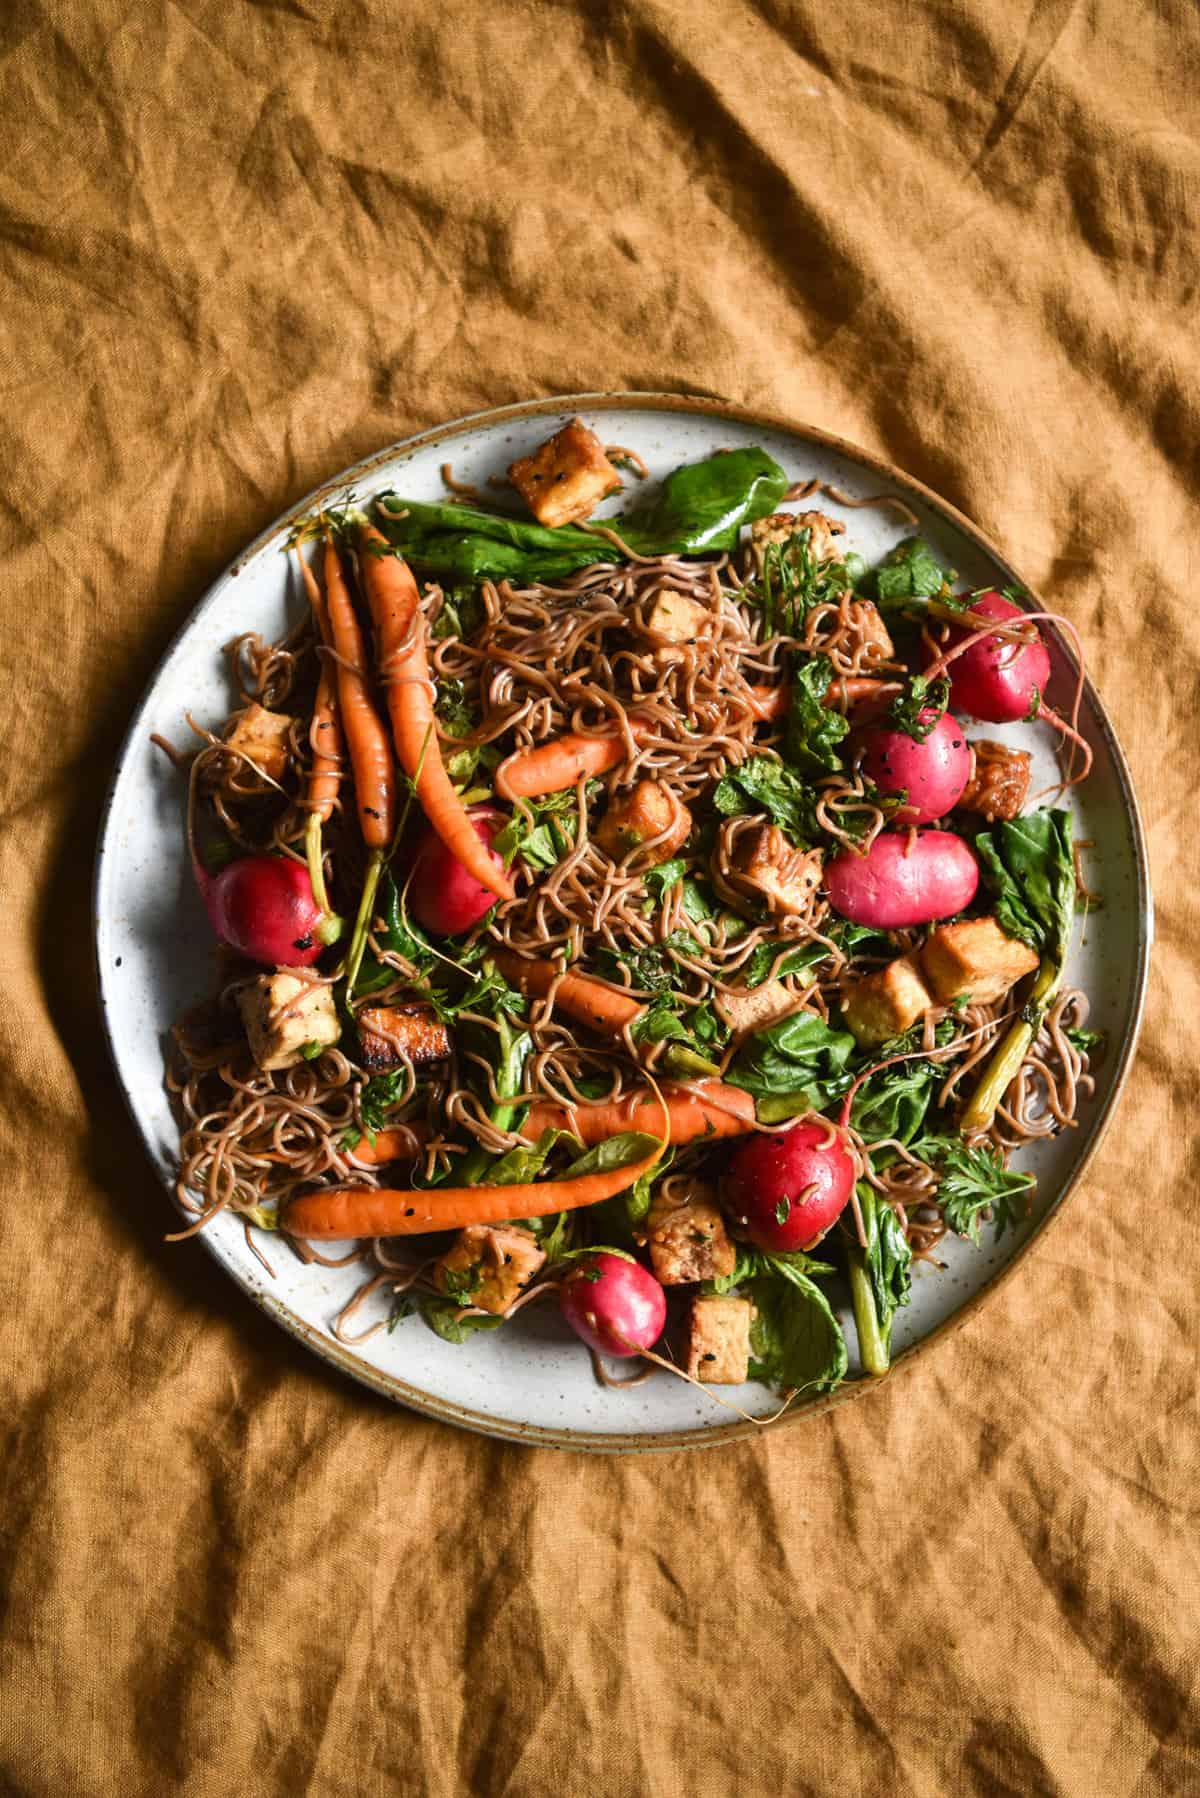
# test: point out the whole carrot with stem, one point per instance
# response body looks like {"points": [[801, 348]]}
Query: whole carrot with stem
{"points": [[404, 668], [367, 742]]}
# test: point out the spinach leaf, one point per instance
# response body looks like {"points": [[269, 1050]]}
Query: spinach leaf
{"points": [[813, 729], [1029, 865], [757, 1264], [972, 1181], [618, 1218], [848, 937], [441, 1314], [920, 707], [699, 509], [894, 1101], [796, 1065], [541, 832], [762, 784], [796, 1341], [697, 904], [615, 1152], [525, 1163]]}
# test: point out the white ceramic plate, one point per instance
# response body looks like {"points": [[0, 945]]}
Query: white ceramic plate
{"points": [[531, 1381]]}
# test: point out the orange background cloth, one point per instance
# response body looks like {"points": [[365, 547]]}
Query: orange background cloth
{"points": [[241, 245]]}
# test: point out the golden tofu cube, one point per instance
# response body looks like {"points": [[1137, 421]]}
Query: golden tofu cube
{"points": [[755, 1008], [263, 738], [567, 477], [781, 527], [975, 958], [867, 619], [674, 618], [639, 817], [687, 1238], [719, 1340], [886, 1003], [391, 1034], [489, 1266], [285, 1013], [785, 877]]}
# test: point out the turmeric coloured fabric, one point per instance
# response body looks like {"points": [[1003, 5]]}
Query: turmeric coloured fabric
{"points": [[243, 244]]}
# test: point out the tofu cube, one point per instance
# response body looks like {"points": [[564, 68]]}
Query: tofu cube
{"points": [[263, 737], [687, 1238], [785, 877], [284, 1013], [674, 618], [719, 1340], [567, 477], [886, 1003], [999, 781], [489, 1266], [877, 642], [390, 1034], [975, 958], [755, 1008], [638, 817], [780, 527]]}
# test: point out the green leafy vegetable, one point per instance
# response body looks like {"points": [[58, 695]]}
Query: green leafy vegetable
{"points": [[894, 1101], [920, 707], [698, 510], [541, 832], [794, 1066], [880, 1278], [697, 905], [973, 1180], [619, 1217], [1029, 865], [796, 1341], [615, 1152], [524, 1164], [758, 1264], [762, 784], [813, 729], [441, 1314], [910, 571], [791, 582]]}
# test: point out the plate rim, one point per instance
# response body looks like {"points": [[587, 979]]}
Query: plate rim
{"points": [[444, 1410]]}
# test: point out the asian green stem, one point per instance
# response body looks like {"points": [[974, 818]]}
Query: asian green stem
{"points": [[362, 923], [872, 1346], [1005, 1063]]}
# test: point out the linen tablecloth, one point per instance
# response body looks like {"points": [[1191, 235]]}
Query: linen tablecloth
{"points": [[241, 245]]}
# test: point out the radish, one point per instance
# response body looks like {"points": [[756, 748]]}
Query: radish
{"points": [[615, 1306], [933, 773], [443, 895], [903, 879], [995, 679], [788, 1190], [263, 906]]}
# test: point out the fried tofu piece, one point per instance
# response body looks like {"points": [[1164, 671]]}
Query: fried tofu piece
{"points": [[284, 1014], [999, 783], [489, 1266], [687, 1238], [975, 958], [674, 618], [886, 1003], [719, 1340], [754, 1008], [567, 477], [390, 1034], [263, 737], [786, 877], [868, 621], [779, 527], [638, 817]]}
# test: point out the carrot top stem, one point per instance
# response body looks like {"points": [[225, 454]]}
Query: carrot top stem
{"points": [[362, 923]]}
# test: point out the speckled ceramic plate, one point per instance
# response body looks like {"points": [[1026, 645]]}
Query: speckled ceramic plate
{"points": [[532, 1382]]}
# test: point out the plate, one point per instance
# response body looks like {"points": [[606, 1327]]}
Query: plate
{"points": [[532, 1382]]}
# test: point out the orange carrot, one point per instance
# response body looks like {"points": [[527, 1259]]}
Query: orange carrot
{"points": [[400, 642], [370, 751], [713, 1109], [528, 773], [772, 702], [325, 732], [340, 1212], [399, 1143], [581, 997]]}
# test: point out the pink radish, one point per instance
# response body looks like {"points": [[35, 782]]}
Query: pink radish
{"points": [[997, 679], [789, 1189], [263, 906], [903, 879], [443, 895], [933, 773], [615, 1306]]}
